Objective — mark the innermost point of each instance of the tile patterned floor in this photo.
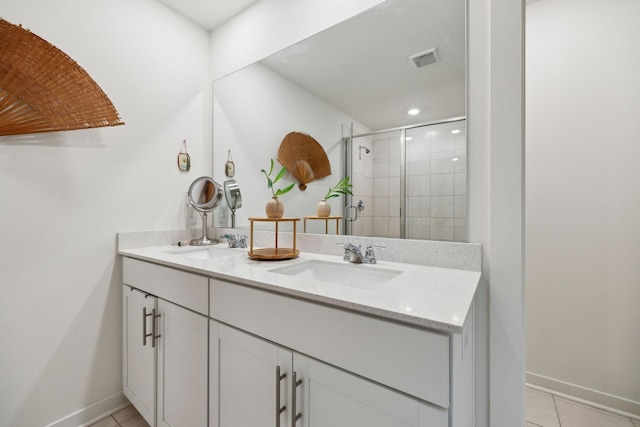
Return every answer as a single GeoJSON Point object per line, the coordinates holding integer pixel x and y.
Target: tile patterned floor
{"type": "Point", "coordinates": [127, 417]}
{"type": "Point", "coordinates": [542, 410]}
{"type": "Point", "coordinates": [546, 410]}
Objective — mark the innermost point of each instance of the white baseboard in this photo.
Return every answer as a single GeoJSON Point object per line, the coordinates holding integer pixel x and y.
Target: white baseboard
{"type": "Point", "coordinates": [92, 413]}
{"type": "Point", "coordinates": [597, 399]}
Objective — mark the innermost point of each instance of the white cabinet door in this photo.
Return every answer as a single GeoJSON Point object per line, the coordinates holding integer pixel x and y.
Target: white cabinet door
{"type": "Point", "coordinates": [245, 388]}
{"type": "Point", "coordinates": [139, 357]}
{"type": "Point", "coordinates": [182, 367]}
{"type": "Point", "coordinates": [328, 396]}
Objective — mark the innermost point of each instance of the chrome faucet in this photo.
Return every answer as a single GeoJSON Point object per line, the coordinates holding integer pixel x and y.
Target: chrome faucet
{"type": "Point", "coordinates": [353, 253]}
{"type": "Point", "coordinates": [236, 240]}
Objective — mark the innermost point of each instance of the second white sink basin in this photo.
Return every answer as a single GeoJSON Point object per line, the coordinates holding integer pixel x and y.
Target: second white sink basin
{"type": "Point", "coordinates": [203, 252]}
{"type": "Point", "coordinates": [356, 275]}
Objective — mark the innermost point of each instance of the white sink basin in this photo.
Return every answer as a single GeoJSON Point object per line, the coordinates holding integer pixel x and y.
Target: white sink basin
{"type": "Point", "coordinates": [356, 275]}
{"type": "Point", "coordinates": [203, 252]}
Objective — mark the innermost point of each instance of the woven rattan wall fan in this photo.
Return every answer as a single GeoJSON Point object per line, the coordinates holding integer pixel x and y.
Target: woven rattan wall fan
{"type": "Point", "coordinates": [43, 90]}
{"type": "Point", "coordinates": [304, 158]}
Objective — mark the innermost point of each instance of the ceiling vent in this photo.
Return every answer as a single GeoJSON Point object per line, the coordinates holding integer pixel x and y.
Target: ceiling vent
{"type": "Point", "coordinates": [425, 58]}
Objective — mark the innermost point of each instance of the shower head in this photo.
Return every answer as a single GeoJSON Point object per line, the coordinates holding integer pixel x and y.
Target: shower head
{"type": "Point", "coordinates": [360, 148]}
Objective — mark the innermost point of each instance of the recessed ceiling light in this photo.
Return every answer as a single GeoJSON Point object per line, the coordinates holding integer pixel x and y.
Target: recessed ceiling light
{"type": "Point", "coordinates": [455, 159]}
{"type": "Point", "coordinates": [408, 138]}
{"type": "Point", "coordinates": [413, 111]}
{"type": "Point", "coordinates": [455, 131]}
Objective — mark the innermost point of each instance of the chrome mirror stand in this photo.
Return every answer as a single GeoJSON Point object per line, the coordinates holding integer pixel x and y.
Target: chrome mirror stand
{"type": "Point", "coordinates": [204, 239]}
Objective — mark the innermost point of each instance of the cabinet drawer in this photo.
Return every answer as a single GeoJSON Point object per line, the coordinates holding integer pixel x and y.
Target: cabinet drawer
{"type": "Point", "coordinates": [186, 289]}
{"type": "Point", "coordinates": [412, 360]}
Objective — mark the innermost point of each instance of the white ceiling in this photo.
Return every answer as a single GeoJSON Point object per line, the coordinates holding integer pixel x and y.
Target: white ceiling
{"type": "Point", "coordinates": [209, 14]}
{"type": "Point", "coordinates": [361, 66]}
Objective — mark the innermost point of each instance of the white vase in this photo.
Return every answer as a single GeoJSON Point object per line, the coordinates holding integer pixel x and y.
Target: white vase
{"type": "Point", "coordinates": [323, 209]}
{"type": "Point", "coordinates": [274, 208]}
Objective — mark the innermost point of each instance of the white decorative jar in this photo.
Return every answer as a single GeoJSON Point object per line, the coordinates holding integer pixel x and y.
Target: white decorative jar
{"type": "Point", "coordinates": [323, 209]}
{"type": "Point", "coordinates": [274, 208]}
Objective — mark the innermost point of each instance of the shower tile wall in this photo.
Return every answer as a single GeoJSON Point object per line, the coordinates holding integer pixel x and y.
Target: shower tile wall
{"type": "Point", "coordinates": [386, 185]}
{"type": "Point", "coordinates": [435, 179]}
{"type": "Point", "coordinates": [436, 183]}
{"type": "Point", "coordinates": [362, 180]}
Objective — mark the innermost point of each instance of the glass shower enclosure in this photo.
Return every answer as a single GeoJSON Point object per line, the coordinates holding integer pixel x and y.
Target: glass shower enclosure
{"type": "Point", "coordinates": [409, 182]}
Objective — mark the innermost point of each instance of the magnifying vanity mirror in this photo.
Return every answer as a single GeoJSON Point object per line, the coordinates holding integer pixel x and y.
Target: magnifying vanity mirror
{"type": "Point", "coordinates": [233, 198]}
{"type": "Point", "coordinates": [204, 195]}
{"type": "Point", "coordinates": [350, 86]}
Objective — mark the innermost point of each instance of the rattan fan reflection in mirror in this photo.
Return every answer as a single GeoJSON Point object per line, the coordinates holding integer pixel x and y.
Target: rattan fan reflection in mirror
{"type": "Point", "coordinates": [43, 90]}
{"type": "Point", "coordinates": [304, 158]}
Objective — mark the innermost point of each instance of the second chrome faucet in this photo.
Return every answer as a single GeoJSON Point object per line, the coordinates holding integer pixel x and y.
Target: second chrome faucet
{"type": "Point", "coordinates": [353, 253]}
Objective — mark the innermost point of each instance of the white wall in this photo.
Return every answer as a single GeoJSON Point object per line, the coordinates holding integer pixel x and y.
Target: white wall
{"type": "Point", "coordinates": [64, 196]}
{"type": "Point", "coordinates": [583, 199]}
{"type": "Point", "coordinates": [274, 107]}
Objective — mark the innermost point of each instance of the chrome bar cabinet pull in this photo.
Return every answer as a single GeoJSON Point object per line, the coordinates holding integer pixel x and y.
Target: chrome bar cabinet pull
{"type": "Point", "coordinates": [153, 329]}
{"type": "Point", "coordinates": [295, 416]}
{"type": "Point", "coordinates": [279, 409]}
{"type": "Point", "coordinates": [144, 326]}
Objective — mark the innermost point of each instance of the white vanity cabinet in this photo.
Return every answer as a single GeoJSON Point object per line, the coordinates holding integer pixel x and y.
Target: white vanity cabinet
{"type": "Point", "coordinates": [253, 385]}
{"type": "Point", "coordinates": [165, 354]}
{"type": "Point", "coordinates": [352, 369]}
{"type": "Point", "coordinates": [200, 350]}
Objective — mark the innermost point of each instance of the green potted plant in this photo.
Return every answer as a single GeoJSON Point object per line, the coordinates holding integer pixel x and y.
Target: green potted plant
{"type": "Point", "coordinates": [343, 187]}
{"type": "Point", "coordinates": [275, 208]}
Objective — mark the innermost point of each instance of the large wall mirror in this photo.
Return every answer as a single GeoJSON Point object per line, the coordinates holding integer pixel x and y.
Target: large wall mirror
{"type": "Point", "coordinates": [350, 87]}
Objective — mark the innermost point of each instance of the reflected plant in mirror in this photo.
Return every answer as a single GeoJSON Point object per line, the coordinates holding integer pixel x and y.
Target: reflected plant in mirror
{"type": "Point", "coordinates": [274, 207]}
{"type": "Point", "coordinates": [343, 187]}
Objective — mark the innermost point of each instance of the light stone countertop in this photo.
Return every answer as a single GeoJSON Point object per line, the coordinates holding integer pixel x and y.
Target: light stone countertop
{"type": "Point", "coordinates": [431, 297]}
